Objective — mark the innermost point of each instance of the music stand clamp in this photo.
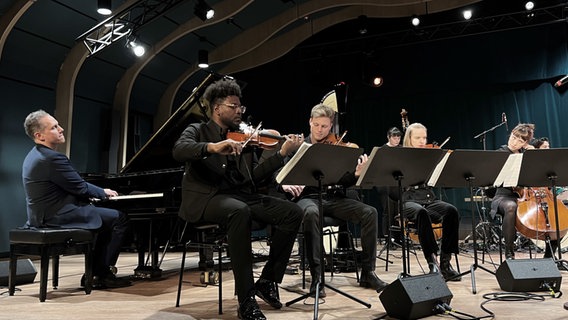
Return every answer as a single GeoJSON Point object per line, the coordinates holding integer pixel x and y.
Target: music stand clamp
{"type": "Point", "coordinates": [471, 168]}
{"type": "Point", "coordinates": [320, 165]}
{"type": "Point", "coordinates": [400, 167]}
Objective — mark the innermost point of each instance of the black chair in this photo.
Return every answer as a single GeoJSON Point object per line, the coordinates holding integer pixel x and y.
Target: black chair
{"type": "Point", "coordinates": [210, 237]}
{"type": "Point", "coordinates": [50, 243]}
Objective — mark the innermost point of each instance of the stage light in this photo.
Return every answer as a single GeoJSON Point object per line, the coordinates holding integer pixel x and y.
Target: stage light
{"type": "Point", "coordinates": [415, 21]}
{"type": "Point", "coordinates": [104, 7]}
{"type": "Point", "coordinates": [134, 44]}
{"type": "Point", "coordinates": [362, 24]}
{"type": "Point", "coordinates": [529, 5]}
{"type": "Point", "coordinates": [377, 81]}
{"type": "Point", "coordinates": [203, 11]}
{"type": "Point", "coordinates": [203, 59]}
{"type": "Point", "coordinates": [467, 14]}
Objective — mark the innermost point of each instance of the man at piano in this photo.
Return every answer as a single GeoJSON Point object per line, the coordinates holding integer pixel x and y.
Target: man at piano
{"type": "Point", "coordinates": [57, 196]}
{"type": "Point", "coordinates": [220, 185]}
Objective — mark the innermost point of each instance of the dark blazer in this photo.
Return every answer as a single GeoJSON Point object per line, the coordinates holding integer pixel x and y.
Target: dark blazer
{"type": "Point", "coordinates": [56, 195]}
{"type": "Point", "coordinates": [205, 173]}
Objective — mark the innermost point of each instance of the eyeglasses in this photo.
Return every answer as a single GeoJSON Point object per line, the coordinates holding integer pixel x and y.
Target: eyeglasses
{"type": "Point", "coordinates": [234, 106]}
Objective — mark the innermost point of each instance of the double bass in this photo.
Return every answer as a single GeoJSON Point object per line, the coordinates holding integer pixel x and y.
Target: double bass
{"type": "Point", "coordinates": [535, 214]}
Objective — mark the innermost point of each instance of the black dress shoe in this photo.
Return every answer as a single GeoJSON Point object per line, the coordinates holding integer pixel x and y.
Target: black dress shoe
{"type": "Point", "coordinates": [370, 280]}
{"type": "Point", "coordinates": [249, 310]}
{"type": "Point", "coordinates": [268, 291]}
{"type": "Point", "coordinates": [110, 281]}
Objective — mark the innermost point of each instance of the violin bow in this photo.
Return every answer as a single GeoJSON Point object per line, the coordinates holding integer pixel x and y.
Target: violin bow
{"type": "Point", "coordinates": [252, 134]}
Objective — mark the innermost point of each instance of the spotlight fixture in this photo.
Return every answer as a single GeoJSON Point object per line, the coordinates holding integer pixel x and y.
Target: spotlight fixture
{"type": "Point", "coordinates": [467, 14]}
{"type": "Point", "coordinates": [529, 5]}
{"type": "Point", "coordinates": [377, 81]}
{"type": "Point", "coordinates": [203, 11]}
{"type": "Point", "coordinates": [133, 44]}
{"type": "Point", "coordinates": [104, 7]}
{"type": "Point", "coordinates": [203, 59]}
{"type": "Point", "coordinates": [415, 21]}
{"type": "Point", "coordinates": [362, 24]}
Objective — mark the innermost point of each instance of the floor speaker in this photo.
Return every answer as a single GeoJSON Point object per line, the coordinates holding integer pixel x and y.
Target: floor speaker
{"type": "Point", "coordinates": [522, 275]}
{"type": "Point", "coordinates": [25, 272]}
{"type": "Point", "coordinates": [415, 297]}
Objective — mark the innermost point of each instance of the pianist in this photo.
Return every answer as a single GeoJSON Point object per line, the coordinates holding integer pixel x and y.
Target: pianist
{"type": "Point", "coordinates": [56, 196]}
{"type": "Point", "coordinates": [220, 186]}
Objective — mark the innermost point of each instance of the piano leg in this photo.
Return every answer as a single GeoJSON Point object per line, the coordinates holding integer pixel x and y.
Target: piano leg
{"type": "Point", "coordinates": [145, 270]}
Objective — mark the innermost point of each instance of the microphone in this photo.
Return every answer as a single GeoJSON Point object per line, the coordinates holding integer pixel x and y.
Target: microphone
{"type": "Point", "coordinates": [561, 81]}
{"type": "Point", "coordinates": [504, 120]}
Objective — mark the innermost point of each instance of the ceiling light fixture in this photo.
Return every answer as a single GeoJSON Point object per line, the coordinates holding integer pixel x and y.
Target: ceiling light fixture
{"type": "Point", "coordinates": [203, 11]}
{"type": "Point", "coordinates": [362, 24]}
{"type": "Point", "coordinates": [467, 14]}
{"type": "Point", "coordinates": [104, 7]}
{"type": "Point", "coordinates": [203, 59]}
{"type": "Point", "coordinates": [133, 44]}
{"type": "Point", "coordinates": [529, 5]}
{"type": "Point", "coordinates": [415, 21]}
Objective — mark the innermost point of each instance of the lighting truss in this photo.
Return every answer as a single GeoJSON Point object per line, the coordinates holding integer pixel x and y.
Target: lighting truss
{"type": "Point", "coordinates": [522, 19]}
{"type": "Point", "coordinates": [124, 23]}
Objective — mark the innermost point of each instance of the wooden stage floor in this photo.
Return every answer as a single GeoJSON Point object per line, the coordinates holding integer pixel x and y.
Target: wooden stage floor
{"type": "Point", "coordinates": [155, 299]}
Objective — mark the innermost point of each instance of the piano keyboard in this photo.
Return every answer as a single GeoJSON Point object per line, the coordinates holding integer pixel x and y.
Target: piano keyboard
{"type": "Point", "coordinates": [138, 196]}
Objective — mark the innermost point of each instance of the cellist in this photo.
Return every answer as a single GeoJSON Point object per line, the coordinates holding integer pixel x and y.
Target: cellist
{"type": "Point", "coordinates": [504, 202]}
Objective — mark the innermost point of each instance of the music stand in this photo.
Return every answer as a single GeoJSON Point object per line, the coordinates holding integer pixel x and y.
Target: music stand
{"type": "Point", "coordinates": [320, 165]}
{"type": "Point", "coordinates": [541, 167]}
{"type": "Point", "coordinates": [470, 168]}
{"type": "Point", "coordinates": [400, 167]}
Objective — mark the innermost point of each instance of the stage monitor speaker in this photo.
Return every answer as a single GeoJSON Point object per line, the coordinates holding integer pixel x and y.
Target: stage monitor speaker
{"type": "Point", "coordinates": [415, 297]}
{"type": "Point", "coordinates": [25, 272]}
{"type": "Point", "coordinates": [523, 275]}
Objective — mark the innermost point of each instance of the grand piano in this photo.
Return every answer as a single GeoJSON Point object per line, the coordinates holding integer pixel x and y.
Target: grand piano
{"type": "Point", "coordinates": [149, 185]}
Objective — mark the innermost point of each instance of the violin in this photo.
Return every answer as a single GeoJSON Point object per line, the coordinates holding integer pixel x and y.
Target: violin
{"type": "Point", "coordinates": [335, 139]}
{"type": "Point", "coordinates": [267, 139]}
{"type": "Point", "coordinates": [535, 214]}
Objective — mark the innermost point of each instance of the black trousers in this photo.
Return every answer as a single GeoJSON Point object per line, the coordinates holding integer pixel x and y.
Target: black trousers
{"type": "Point", "coordinates": [423, 215]}
{"type": "Point", "coordinates": [109, 240]}
{"type": "Point", "coordinates": [344, 209]}
{"type": "Point", "coordinates": [235, 213]}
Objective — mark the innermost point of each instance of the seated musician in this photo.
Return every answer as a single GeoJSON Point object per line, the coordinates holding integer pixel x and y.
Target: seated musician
{"type": "Point", "coordinates": [505, 200]}
{"type": "Point", "coordinates": [220, 186]}
{"type": "Point", "coordinates": [57, 196]}
{"type": "Point", "coordinates": [335, 204]}
{"type": "Point", "coordinates": [421, 206]}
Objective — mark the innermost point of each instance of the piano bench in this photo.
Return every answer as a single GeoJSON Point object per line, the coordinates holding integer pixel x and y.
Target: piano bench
{"type": "Point", "coordinates": [203, 242]}
{"type": "Point", "coordinates": [49, 243]}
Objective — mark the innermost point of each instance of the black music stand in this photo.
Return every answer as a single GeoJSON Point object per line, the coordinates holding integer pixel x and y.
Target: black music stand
{"type": "Point", "coordinates": [320, 165]}
{"type": "Point", "coordinates": [542, 167]}
{"type": "Point", "coordinates": [400, 167]}
{"type": "Point", "coordinates": [470, 168]}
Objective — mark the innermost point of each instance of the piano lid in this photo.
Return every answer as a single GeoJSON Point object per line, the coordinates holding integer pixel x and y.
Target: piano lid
{"type": "Point", "coordinates": [156, 154]}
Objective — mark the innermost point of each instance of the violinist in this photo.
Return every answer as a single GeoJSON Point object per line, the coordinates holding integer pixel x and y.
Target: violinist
{"type": "Point", "coordinates": [421, 206]}
{"type": "Point", "coordinates": [337, 204]}
{"type": "Point", "coordinates": [393, 137]}
{"type": "Point", "coordinates": [220, 186]}
{"type": "Point", "coordinates": [504, 202]}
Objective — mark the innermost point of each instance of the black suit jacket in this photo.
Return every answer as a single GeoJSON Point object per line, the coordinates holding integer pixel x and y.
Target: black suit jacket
{"type": "Point", "coordinates": [205, 173]}
{"type": "Point", "coordinates": [56, 195]}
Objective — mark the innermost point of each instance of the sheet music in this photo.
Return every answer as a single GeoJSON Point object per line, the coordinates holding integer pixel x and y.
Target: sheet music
{"type": "Point", "coordinates": [364, 171]}
{"type": "Point", "coordinates": [292, 162]}
{"type": "Point", "coordinates": [438, 170]}
{"type": "Point", "coordinates": [509, 175]}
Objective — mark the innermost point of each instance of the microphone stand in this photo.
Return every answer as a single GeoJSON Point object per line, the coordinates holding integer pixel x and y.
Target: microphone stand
{"type": "Point", "coordinates": [484, 133]}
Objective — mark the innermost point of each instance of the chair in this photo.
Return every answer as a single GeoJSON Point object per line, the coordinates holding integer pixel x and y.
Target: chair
{"type": "Point", "coordinates": [50, 243]}
{"type": "Point", "coordinates": [330, 222]}
{"type": "Point", "coordinates": [212, 237]}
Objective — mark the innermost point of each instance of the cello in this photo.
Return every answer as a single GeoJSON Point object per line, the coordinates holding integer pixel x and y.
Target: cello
{"type": "Point", "coordinates": [535, 214]}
